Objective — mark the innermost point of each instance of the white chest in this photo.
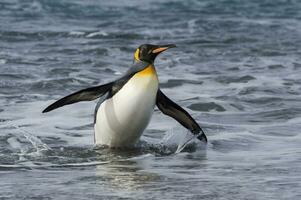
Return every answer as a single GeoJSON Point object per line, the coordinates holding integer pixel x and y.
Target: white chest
{"type": "Point", "coordinates": [121, 120]}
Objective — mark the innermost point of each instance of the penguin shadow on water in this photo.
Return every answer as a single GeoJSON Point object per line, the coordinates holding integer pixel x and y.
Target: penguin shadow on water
{"type": "Point", "coordinates": [126, 174]}
{"type": "Point", "coordinates": [131, 169]}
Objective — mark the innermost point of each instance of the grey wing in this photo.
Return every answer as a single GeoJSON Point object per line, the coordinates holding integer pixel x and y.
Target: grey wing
{"type": "Point", "coordinates": [93, 93]}
{"type": "Point", "coordinates": [87, 94]}
{"type": "Point", "coordinates": [175, 111]}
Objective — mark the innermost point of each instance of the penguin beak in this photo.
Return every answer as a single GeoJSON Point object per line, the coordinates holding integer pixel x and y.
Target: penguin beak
{"type": "Point", "coordinates": [162, 48]}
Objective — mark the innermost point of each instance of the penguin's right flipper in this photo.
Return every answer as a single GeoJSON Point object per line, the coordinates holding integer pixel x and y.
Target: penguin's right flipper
{"type": "Point", "coordinates": [92, 93]}
{"type": "Point", "coordinates": [87, 94]}
{"type": "Point", "coordinates": [175, 111]}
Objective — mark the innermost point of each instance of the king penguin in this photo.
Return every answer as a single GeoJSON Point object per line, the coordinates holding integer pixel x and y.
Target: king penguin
{"type": "Point", "coordinates": [126, 105]}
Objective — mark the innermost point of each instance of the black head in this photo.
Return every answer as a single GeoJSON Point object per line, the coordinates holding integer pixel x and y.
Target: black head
{"type": "Point", "coordinates": [148, 52]}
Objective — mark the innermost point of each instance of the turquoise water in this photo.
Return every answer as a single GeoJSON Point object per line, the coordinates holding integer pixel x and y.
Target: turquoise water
{"type": "Point", "coordinates": [236, 69]}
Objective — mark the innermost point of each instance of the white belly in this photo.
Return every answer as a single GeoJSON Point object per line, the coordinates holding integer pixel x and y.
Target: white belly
{"type": "Point", "coordinates": [121, 120]}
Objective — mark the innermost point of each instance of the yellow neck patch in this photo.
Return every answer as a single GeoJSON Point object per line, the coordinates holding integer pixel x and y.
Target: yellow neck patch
{"type": "Point", "coordinates": [136, 56]}
{"type": "Point", "coordinates": [150, 70]}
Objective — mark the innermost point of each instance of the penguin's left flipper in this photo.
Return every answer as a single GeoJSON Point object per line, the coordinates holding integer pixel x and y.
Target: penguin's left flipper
{"type": "Point", "coordinates": [175, 111]}
{"type": "Point", "coordinates": [87, 94]}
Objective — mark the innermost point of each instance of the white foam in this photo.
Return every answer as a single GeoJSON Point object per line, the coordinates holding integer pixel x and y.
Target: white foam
{"type": "Point", "coordinates": [2, 61]}
{"type": "Point", "coordinates": [77, 33]}
{"type": "Point", "coordinates": [98, 33]}
{"type": "Point", "coordinates": [14, 143]}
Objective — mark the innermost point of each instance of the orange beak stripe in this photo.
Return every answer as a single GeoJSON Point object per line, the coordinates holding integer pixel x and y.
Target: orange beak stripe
{"type": "Point", "coordinates": [160, 49]}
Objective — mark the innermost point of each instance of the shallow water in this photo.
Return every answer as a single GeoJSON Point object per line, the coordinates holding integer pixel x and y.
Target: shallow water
{"type": "Point", "coordinates": [236, 70]}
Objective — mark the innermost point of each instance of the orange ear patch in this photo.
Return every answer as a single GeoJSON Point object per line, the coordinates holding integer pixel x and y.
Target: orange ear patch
{"type": "Point", "coordinates": [136, 55]}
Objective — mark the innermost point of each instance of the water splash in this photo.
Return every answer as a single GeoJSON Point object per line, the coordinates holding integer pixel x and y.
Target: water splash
{"type": "Point", "coordinates": [34, 140]}
{"type": "Point", "coordinates": [185, 141]}
{"type": "Point", "coordinates": [179, 138]}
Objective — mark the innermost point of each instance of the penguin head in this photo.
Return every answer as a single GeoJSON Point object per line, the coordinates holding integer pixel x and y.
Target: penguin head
{"type": "Point", "coordinates": [148, 52]}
